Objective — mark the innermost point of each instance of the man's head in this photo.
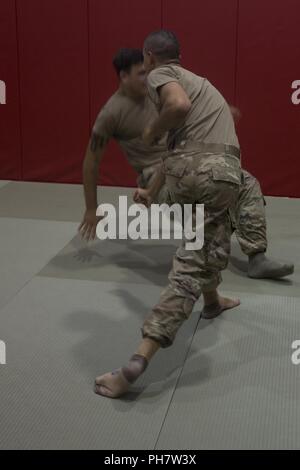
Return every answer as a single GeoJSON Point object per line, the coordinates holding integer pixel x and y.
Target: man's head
{"type": "Point", "coordinates": [160, 47]}
{"type": "Point", "coordinates": [128, 64]}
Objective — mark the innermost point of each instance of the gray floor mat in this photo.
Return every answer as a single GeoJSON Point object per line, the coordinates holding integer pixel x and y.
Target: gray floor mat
{"type": "Point", "coordinates": [137, 261]}
{"type": "Point", "coordinates": [80, 316]}
{"type": "Point", "coordinates": [4, 183]}
{"type": "Point", "coordinates": [25, 247]}
{"type": "Point", "coordinates": [59, 335]}
{"type": "Point", "coordinates": [52, 201]}
{"type": "Point", "coordinates": [151, 260]}
{"type": "Point", "coordinates": [240, 389]}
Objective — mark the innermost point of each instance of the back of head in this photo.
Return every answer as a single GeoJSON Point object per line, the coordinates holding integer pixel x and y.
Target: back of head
{"type": "Point", "coordinates": [163, 44]}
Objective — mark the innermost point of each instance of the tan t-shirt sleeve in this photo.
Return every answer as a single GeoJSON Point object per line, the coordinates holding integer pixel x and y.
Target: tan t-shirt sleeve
{"type": "Point", "coordinates": [104, 126]}
{"type": "Point", "coordinates": [157, 78]}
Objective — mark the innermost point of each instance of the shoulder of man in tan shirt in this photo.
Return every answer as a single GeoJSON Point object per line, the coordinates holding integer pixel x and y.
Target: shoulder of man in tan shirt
{"type": "Point", "coordinates": [209, 119]}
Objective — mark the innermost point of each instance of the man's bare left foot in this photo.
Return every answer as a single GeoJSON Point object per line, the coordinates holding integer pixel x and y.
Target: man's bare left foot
{"type": "Point", "coordinates": [116, 383]}
{"type": "Point", "coordinates": [112, 385]}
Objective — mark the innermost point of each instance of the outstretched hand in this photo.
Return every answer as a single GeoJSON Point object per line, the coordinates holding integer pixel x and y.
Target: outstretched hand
{"type": "Point", "coordinates": [87, 228]}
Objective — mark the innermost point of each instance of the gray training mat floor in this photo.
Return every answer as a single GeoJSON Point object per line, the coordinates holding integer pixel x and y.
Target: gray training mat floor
{"type": "Point", "coordinates": [71, 311]}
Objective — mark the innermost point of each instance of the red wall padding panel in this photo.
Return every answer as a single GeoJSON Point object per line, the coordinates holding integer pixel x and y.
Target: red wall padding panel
{"type": "Point", "coordinates": [56, 61]}
{"type": "Point", "coordinates": [10, 141]}
{"type": "Point", "coordinates": [206, 30]}
{"type": "Point", "coordinates": [115, 24]}
{"type": "Point", "coordinates": [268, 63]}
{"type": "Point", "coordinates": [53, 44]}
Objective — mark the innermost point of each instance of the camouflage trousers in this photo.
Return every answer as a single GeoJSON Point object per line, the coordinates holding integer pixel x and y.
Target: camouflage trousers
{"type": "Point", "coordinates": [248, 217]}
{"type": "Point", "coordinates": [212, 180]}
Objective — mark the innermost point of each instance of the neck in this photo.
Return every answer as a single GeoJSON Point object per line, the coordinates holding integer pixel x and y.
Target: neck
{"type": "Point", "coordinates": [133, 96]}
{"type": "Point", "coordinates": [171, 61]}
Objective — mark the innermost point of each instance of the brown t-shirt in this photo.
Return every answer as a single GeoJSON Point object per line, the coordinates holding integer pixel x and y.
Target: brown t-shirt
{"type": "Point", "coordinates": [124, 120]}
{"type": "Point", "coordinates": [209, 119]}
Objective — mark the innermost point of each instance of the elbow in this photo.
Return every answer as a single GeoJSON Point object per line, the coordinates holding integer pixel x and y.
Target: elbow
{"type": "Point", "coordinates": [182, 107]}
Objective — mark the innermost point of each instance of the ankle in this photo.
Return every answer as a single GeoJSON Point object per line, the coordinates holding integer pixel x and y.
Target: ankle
{"type": "Point", "coordinates": [136, 366]}
{"type": "Point", "coordinates": [259, 256]}
{"type": "Point", "coordinates": [211, 297]}
{"type": "Point", "coordinates": [148, 347]}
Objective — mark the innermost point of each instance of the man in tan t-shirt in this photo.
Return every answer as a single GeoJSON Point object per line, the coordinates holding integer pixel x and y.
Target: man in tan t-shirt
{"type": "Point", "coordinates": [124, 118]}
{"type": "Point", "coordinates": [195, 170]}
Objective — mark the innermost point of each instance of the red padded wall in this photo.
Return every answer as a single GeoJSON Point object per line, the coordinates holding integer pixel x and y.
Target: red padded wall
{"type": "Point", "coordinates": [268, 63]}
{"type": "Point", "coordinates": [10, 141]}
{"type": "Point", "coordinates": [56, 61]}
{"type": "Point", "coordinates": [115, 24]}
{"type": "Point", "coordinates": [206, 30]}
{"type": "Point", "coordinates": [53, 44]}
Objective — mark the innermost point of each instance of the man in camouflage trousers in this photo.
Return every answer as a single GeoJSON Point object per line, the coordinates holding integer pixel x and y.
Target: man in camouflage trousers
{"type": "Point", "coordinates": [202, 166]}
{"type": "Point", "coordinates": [198, 169]}
{"type": "Point", "coordinates": [123, 118]}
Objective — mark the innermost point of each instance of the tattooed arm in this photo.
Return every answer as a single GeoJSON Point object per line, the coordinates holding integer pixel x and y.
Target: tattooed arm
{"type": "Point", "coordinates": [93, 157]}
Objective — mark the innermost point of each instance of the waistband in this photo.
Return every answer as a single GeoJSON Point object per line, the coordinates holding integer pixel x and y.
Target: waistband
{"type": "Point", "coordinates": [204, 147]}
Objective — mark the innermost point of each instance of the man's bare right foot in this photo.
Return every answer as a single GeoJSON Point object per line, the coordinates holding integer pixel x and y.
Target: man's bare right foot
{"type": "Point", "coordinates": [215, 309]}
{"type": "Point", "coordinates": [261, 267]}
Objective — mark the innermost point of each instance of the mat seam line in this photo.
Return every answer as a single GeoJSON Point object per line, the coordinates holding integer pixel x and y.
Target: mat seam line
{"type": "Point", "coordinates": [177, 381]}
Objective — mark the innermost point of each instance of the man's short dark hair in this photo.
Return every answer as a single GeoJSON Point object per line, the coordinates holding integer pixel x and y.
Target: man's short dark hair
{"type": "Point", "coordinates": [163, 44]}
{"type": "Point", "coordinates": [126, 58]}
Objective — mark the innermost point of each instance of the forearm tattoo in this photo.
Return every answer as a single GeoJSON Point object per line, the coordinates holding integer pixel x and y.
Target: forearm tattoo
{"type": "Point", "coordinates": [97, 142]}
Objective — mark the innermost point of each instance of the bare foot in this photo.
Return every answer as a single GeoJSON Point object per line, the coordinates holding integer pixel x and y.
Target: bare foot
{"type": "Point", "coordinates": [261, 267]}
{"type": "Point", "coordinates": [213, 310]}
{"type": "Point", "coordinates": [112, 385]}
{"type": "Point", "coordinates": [116, 383]}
